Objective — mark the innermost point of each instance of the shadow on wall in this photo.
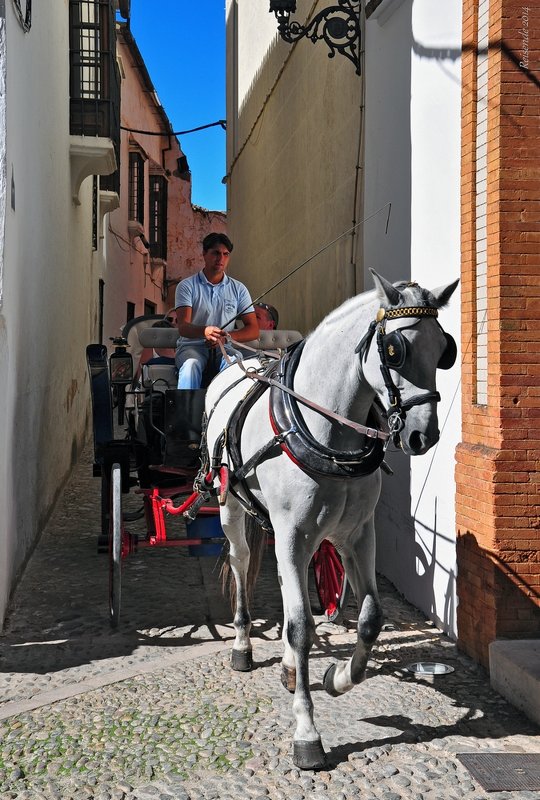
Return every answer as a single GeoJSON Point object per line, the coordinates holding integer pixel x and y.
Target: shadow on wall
{"type": "Point", "coordinates": [388, 147]}
{"type": "Point", "coordinates": [411, 554]}
{"type": "Point", "coordinates": [294, 180]}
{"type": "Point", "coordinates": [497, 599]}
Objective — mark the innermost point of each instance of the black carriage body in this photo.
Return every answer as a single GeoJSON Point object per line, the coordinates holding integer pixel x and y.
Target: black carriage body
{"type": "Point", "coordinates": [159, 451]}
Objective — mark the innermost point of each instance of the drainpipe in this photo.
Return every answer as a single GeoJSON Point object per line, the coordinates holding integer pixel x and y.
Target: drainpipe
{"type": "Point", "coordinates": [359, 177]}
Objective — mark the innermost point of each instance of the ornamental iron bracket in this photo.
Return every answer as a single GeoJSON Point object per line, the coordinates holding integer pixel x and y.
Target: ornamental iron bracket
{"type": "Point", "coordinates": [25, 19]}
{"type": "Point", "coordinates": [337, 25]}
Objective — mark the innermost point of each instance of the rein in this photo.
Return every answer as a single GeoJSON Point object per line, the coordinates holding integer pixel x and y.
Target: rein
{"type": "Point", "coordinates": [392, 352]}
{"type": "Point", "coordinates": [372, 433]}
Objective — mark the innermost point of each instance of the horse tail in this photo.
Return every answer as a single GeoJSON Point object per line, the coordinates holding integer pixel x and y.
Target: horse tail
{"type": "Point", "coordinates": [256, 541]}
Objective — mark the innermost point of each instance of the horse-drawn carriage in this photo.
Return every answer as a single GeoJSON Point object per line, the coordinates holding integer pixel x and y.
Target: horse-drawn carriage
{"type": "Point", "coordinates": [152, 448]}
{"type": "Point", "coordinates": [295, 445]}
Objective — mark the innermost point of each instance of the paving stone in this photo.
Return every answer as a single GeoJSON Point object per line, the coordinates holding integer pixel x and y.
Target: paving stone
{"type": "Point", "coordinates": [139, 714]}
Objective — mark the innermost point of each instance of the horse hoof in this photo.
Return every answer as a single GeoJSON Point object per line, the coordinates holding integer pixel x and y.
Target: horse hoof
{"type": "Point", "coordinates": [309, 755]}
{"type": "Point", "coordinates": [288, 678]}
{"type": "Point", "coordinates": [328, 681]}
{"type": "Point", "coordinates": [242, 660]}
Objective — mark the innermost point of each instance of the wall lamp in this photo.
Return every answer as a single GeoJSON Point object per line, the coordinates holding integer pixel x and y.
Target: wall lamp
{"type": "Point", "coordinates": [337, 25]}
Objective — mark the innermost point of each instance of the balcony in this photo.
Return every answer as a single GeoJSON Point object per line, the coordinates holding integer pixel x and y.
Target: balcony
{"type": "Point", "coordinates": [94, 93]}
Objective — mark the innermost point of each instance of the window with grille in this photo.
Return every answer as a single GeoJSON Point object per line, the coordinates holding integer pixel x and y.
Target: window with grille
{"type": "Point", "coordinates": [158, 216]}
{"type": "Point", "coordinates": [94, 77]}
{"type": "Point", "coordinates": [86, 61]}
{"type": "Point", "coordinates": [136, 187]}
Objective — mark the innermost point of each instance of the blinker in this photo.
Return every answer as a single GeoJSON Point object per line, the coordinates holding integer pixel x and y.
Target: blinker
{"type": "Point", "coordinates": [448, 358]}
{"type": "Point", "coordinates": [395, 350]}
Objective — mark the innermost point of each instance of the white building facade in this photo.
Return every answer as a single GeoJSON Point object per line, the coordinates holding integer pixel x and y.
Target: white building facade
{"type": "Point", "coordinates": [313, 151]}
{"type": "Point", "coordinates": [50, 259]}
{"type": "Point", "coordinates": [412, 161]}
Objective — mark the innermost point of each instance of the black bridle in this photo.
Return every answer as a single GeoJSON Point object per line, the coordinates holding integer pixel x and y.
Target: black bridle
{"type": "Point", "coordinates": [392, 349]}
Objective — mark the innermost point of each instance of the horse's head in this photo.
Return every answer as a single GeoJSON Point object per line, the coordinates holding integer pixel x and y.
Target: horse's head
{"type": "Point", "coordinates": [400, 355]}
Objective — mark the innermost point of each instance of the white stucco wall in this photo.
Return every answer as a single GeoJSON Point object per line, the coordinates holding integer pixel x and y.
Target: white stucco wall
{"type": "Point", "coordinates": [4, 432]}
{"type": "Point", "coordinates": [412, 159]}
{"type": "Point", "coordinates": [49, 278]}
{"type": "Point", "coordinates": [294, 126]}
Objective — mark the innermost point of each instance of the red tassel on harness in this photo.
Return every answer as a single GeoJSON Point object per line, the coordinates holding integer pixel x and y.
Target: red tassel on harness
{"type": "Point", "coordinates": [223, 484]}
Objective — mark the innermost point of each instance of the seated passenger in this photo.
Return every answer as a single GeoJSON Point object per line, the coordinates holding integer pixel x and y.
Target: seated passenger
{"type": "Point", "coordinates": [267, 317]}
{"type": "Point", "coordinates": [207, 305]}
{"type": "Point", "coordinates": [158, 355]}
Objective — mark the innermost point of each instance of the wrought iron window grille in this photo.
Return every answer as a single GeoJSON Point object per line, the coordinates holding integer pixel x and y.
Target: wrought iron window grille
{"type": "Point", "coordinates": [94, 76]}
{"type": "Point", "coordinates": [136, 187]}
{"type": "Point", "coordinates": [158, 216]}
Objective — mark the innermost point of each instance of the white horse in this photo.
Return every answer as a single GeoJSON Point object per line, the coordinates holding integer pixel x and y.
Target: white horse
{"type": "Point", "coordinates": [312, 477]}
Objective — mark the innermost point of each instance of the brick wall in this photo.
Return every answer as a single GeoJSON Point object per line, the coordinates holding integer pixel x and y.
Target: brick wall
{"type": "Point", "coordinates": [498, 460]}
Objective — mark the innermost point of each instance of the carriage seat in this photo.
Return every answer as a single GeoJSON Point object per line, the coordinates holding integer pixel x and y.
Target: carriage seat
{"type": "Point", "coordinates": [158, 337]}
{"type": "Point", "coordinates": [275, 341]}
{"type": "Point", "coordinates": [159, 376]}
{"type": "Point", "coordinates": [271, 341]}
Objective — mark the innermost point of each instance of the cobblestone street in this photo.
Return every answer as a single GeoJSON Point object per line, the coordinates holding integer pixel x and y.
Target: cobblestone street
{"type": "Point", "coordinates": [154, 710]}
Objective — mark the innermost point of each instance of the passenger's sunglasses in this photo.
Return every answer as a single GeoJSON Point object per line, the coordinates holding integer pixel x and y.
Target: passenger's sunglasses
{"type": "Point", "coordinates": [268, 308]}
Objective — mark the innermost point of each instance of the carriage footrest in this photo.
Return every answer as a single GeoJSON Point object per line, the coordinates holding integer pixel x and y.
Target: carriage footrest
{"type": "Point", "coordinates": [131, 543]}
{"type": "Point", "coordinates": [183, 426]}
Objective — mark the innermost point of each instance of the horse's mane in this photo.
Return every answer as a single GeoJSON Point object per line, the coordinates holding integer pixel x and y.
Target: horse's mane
{"type": "Point", "coordinates": [352, 306]}
{"type": "Point", "coordinates": [413, 295]}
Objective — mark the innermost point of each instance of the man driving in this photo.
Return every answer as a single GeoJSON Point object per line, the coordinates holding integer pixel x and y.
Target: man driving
{"type": "Point", "coordinates": [207, 306]}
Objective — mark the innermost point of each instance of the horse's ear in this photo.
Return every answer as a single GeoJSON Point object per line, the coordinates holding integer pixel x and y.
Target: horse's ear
{"type": "Point", "coordinates": [386, 291]}
{"type": "Point", "coordinates": [443, 294]}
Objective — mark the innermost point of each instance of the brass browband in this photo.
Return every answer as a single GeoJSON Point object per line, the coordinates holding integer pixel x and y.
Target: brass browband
{"type": "Point", "coordinates": [406, 311]}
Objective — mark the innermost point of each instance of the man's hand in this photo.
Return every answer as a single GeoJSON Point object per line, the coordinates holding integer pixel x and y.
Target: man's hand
{"type": "Point", "coordinates": [214, 335]}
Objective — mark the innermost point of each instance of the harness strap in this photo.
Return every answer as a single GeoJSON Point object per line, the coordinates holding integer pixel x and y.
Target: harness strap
{"type": "Point", "coordinates": [260, 514]}
{"type": "Point", "coordinates": [372, 433]}
{"type": "Point", "coordinates": [233, 433]}
{"type": "Point", "coordinates": [419, 399]}
{"type": "Point", "coordinates": [240, 473]}
{"type": "Point", "coordinates": [222, 395]}
{"type": "Point", "coordinates": [394, 395]}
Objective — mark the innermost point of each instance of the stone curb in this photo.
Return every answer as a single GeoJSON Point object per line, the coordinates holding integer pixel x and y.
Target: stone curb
{"type": "Point", "coordinates": [14, 708]}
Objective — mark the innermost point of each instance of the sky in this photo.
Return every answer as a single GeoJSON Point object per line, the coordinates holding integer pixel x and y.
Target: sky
{"type": "Point", "coordinates": [182, 43]}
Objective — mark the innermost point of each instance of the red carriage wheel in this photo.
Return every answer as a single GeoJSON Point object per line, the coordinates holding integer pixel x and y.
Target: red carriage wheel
{"type": "Point", "coordinates": [115, 545]}
{"type": "Point", "coordinates": [332, 586]}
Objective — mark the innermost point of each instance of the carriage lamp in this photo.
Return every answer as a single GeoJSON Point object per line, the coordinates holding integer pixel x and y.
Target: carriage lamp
{"type": "Point", "coordinates": [120, 363]}
{"type": "Point", "coordinates": [338, 25]}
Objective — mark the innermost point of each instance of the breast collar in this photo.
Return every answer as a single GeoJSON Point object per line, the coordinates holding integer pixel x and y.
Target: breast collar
{"type": "Point", "coordinates": [298, 443]}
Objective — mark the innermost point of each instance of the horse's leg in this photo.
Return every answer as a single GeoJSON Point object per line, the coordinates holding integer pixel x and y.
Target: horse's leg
{"type": "Point", "coordinates": [360, 568]}
{"type": "Point", "coordinates": [298, 637]}
{"type": "Point", "coordinates": [233, 520]}
{"type": "Point", "coordinates": [288, 664]}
